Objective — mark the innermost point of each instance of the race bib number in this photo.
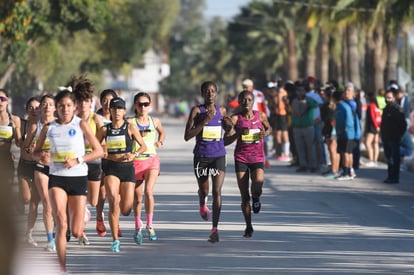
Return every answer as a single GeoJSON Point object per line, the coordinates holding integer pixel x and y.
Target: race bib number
{"type": "Point", "coordinates": [6, 132]}
{"type": "Point", "coordinates": [114, 143]}
{"type": "Point", "coordinates": [252, 137]}
{"type": "Point", "coordinates": [46, 145]}
{"type": "Point", "coordinates": [211, 133]}
{"type": "Point", "coordinates": [61, 156]}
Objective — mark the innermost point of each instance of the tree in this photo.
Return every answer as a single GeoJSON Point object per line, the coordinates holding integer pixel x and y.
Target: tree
{"type": "Point", "coordinates": [85, 36]}
{"type": "Point", "coordinates": [24, 23]}
{"type": "Point", "coordinates": [186, 43]}
{"type": "Point", "coordinates": [136, 26]}
{"type": "Point", "coordinates": [15, 19]}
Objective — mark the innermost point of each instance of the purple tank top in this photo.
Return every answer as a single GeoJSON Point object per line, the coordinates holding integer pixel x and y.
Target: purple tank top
{"type": "Point", "coordinates": [249, 148]}
{"type": "Point", "coordinates": [209, 142]}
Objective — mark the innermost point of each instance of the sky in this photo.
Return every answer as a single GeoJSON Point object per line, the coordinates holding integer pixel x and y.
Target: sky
{"type": "Point", "coordinates": [223, 8]}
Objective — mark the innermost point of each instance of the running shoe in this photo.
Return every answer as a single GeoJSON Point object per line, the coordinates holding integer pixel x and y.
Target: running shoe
{"type": "Point", "coordinates": [214, 237]}
{"type": "Point", "coordinates": [248, 232]}
{"type": "Point", "coordinates": [51, 246]}
{"type": "Point", "coordinates": [30, 241]}
{"type": "Point", "coordinates": [284, 158]}
{"type": "Point", "coordinates": [352, 173]}
{"type": "Point", "coordinates": [83, 241]}
{"type": "Point", "coordinates": [371, 163]}
{"type": "Point", "coordinates": [68, 235]}
{"type": "Point", "coordinates": [256, 205]}
{"type": "Point", "coordinates": [152, 236]}
{"type": "Point", "coordinates": [344, 177]}
{"type": "Point", "coordinates": [324, 173]}
{"type": "Point", "coordinates": [100, 228]}
{"type": "Point", "coordinates": [87, 216]}
{"type": "Point", "coordinates": [204, 212]}
{"type": "Point", "coordinates": [138, 238]}
{"type": "Point", "coordinates": [115, 246]}
{"type": "Point", "coordinates": [331, 175]}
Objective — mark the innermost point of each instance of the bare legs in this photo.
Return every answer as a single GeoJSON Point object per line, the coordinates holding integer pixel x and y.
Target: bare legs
{"type": "Point", "coordinates": [59, 202]}
{"type": "Point", "coordinates": [257, 178]}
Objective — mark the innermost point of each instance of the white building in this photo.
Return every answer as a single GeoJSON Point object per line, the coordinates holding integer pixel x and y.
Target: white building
{"type": "Point", "coordinates": [145, 78]}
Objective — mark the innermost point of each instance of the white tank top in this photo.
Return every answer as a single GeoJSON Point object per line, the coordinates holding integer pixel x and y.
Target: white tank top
{"type": "Point", "coordinates": [66, 141]}
{"type": "Point", "coordinates": [46, 144]}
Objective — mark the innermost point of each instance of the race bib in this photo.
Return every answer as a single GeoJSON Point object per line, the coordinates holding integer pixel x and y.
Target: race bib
{"type": "Point", "coordinates": [114, 143]}
{"type": "Point", "coordinates": [6, 132]}
{"type": "Point", "coordinates": [252, 137]}
{"type": "Point", "coordinates": [211, 133]}
{"type": "Point", "coordinates": [63, 153]}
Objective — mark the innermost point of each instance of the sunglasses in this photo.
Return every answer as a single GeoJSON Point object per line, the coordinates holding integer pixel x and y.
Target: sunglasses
{"type": "Point", "coordinates": [3, 98]}
{"type": "Point", "coordinates": [143, 104]}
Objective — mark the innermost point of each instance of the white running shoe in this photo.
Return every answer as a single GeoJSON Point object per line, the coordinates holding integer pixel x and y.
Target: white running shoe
{"type": "Point", "coordinates": [84, 241]}
{"type": "Point", "coordinates": [30, 241]}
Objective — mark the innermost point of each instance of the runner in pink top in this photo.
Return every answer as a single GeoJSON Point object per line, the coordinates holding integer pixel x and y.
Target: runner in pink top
{"type": "Point", "coordinates": [249, 129]}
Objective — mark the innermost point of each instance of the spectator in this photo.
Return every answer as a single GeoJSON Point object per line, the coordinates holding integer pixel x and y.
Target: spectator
{"type": "Point", "coordinates": [279, 123]}
{"type": "Point", "coordinates": [347, 130]}
{"type": "Point", "coordinates": [303, 130]}
{"type": "Point", "coordinates": [328, 131]}
{"type": "Point", "coordinates": [380, 98]}
{"type": "Point", "coordinates": [402, 100]}
{"type": "Point", "coordinates": [372, 127]}
{"type": "Point", "coordinates": [393, 127]}
{"type": "Point", "coordinates": [311, 86]}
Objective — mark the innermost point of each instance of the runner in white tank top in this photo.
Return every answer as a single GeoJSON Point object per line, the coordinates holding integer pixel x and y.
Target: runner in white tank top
{"type": "Point", "coordinates": [68, 171]}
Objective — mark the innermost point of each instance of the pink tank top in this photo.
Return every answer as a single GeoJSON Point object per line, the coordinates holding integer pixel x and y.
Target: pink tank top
{"type": "Point", "coordinates": [249, 147]}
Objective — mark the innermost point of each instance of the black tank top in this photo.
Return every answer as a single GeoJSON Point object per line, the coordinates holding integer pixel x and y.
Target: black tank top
{"type": "Point", "coordinates": [118, 140]}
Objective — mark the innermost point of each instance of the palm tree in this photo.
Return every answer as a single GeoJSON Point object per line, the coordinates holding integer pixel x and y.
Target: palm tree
{"type": "Point", "coordinates": [399, 15]}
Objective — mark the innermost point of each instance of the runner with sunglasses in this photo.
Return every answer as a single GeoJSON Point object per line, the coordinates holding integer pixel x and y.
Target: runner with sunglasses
{"type": "Point", "coordinates": [147, 164]}
{"type": "Point", "coordinates": [118, 137]}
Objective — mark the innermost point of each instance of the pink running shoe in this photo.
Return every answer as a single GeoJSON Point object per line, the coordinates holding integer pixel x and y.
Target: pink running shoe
{"type": "Point", "coordinates": [204, 212]}
{"type": "Point", "coordinates": [87, 217]}
{"type": "Point", "coordinates": [100, 228]}
{"type": "Point", "coordinates": [283, 158]}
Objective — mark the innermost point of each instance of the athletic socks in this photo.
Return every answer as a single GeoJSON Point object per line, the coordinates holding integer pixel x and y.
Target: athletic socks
{"type": "Point", "coordinates": [149, 220]}
{"type": "Point", "coordinates": [137, 222]}
{"type": "Point", "coordinates": [286, 148]}
{"type": "Point", "coordinates": [50, 236]}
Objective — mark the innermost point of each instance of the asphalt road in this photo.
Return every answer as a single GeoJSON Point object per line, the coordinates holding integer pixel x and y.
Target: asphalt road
{"type": "Point", "coordinates": [307, 225]}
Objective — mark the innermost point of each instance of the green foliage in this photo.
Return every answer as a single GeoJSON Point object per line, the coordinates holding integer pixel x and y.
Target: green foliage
{"type": "Point", "coordinates": [51, 40]}
{"type": "Point", "coordinates": [137, 25]}
{"type": "Point", "coordinates": [54, 17]}
{"type": "Point", "coordinates": [186, 44]}
{"type": "Point", "coordinates": [26, 25]}
{"type": "Point", "coordinates": [15, 23]}
{"type": "Point", "coordinates": [75, 36]}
